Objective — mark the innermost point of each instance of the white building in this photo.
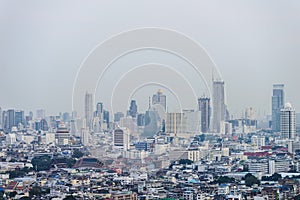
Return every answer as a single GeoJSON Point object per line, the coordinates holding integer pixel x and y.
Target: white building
{"type": "Point", "coordinates": [288, 122]}
{"type": "Point", "coordinates": [121, 139]}
{"type": "Point", "coordinates": [258, 141]}
{"type": "Point", "coordinates": [11, 138]}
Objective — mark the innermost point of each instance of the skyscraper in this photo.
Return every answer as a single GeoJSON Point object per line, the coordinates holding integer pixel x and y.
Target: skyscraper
{"type": "Point", "coordinates": [277, 105]}
{"type": "Point", "coordinates": [175, 123]}
{"type": "Point", "coordinates": [219, 108]}
{"type": "Point", "coordinates": [10, 119]}
{"type": "Point", "coordinates": [88, 108]}
{"type": "Point", "coordinates": [160, 98]}
{"type": "Point", "coordinates": [99, 110]}
{"type": "Point", "coordinates": [288, 122]}
{"type": "Point", "coordinates": [19, 118]}
{"type": "Point", "coordinates": [40, 114]}
{"type": "Point", "coordinates": [133, 109]}
{"type": "Point", "coordinates": [204, 108]}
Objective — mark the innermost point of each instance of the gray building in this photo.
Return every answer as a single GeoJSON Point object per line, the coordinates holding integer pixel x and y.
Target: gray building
{"type": "Point", "coordinates": [204, 108]}
{"type": "Point", "coordinates": [160, 98]}
{"type": "Point", "coordinates": [277, 105]}
{"type": "Point", "coordinates": [219, 108]}
{"type": "Point", "coordinates": [88, 110]}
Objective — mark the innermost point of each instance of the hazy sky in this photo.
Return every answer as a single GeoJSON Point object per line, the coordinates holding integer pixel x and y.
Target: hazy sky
{"type": "Point", "coordinates": [42, 44]}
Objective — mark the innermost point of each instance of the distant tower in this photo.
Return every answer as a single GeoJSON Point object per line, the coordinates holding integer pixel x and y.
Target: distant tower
{"type": "Point", "coordinates": [88, 108]}
{"type": "Point", "coordinates": [219, 108]}
{"type": "Point", "coordinates": [133, 109]}
{"type": "Point", "coordinates": [288, 122]}
{"type": "Point", "coordinates": [10, 118]}
{"type": "Point", "coordinates": [160, 98]}
{"type": "Point", "coordinates": [40, 114]}
{"type": "Point", "coordinates": [204, 108]}
{"type": "Point", "coordinates": [99, 110]}
{"type": "Point", "coordinates": [277, 105]}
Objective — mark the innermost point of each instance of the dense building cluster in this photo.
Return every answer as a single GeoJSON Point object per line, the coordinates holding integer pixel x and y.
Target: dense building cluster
{"type": "Point", "coordinates": [158, 154]}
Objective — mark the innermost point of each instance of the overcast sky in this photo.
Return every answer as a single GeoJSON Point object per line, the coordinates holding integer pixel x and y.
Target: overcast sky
{"type": "Point", "coordinates": [42, 44]}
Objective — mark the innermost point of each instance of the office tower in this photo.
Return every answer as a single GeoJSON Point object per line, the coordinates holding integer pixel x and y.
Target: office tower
{"type": "Point", "coordinates": [85, 137]}
{"type": "Point", "coordinates": [152, 123]}
{"type": "Point", "coordinates": [130, 124]}
{"type": "Point", "coordinates": [106, 118]}
{"type": "Point", "coordinates": [133, 109]}
{"type": "Point", "coordinates": [175, 123]}
{"type": "Point", "coordinates": [88, 108]}
{"type": "Point", "coordinates": [44, 125]}
{"type": "Point", "coordinates": [40, 114]}
{"type": "Point", "coordinates": [204, 108]}
{"type": "Point", "coordinates": [118, 116]}
{"type": "Point", "coordinates": [10, 118]}
{"type": "Point", "coordinates": [160, 99]}
{"type": "Point", "coordinates": [66, 117]}
{"type": "Point", "coordinates": [141, 119]}
{"type": "Point", "coordinates": [121, 139]}
{"type": "Point", "coordinates": [250, 114]}
{"type": "Point", "coordinates": [19, 118]}
{"type": "Point", "coordinates": [288, 121]}
{"type": "Point", "coordinates": [73, 128]}
{"type": "Point", "coordinates": [192, 121]}
{"type": "Point", "coordinates": [219, 108]}
{"type": "Point", "coordinates": [277, 105]}
{"type": "Point", "coordinates": [99, 110]}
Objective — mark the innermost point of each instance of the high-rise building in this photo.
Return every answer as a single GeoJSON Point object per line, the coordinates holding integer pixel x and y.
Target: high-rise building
{"type": "Point", "coordinates": [160, 98]}
{"type": "Point", "coordinates": [118, 116]}
{"type": "Point", "coordinates": [19, 118]}
{"type": "Point", "coordinates": [99, 110]}
{"type": "Point", "coordinates": [10, 119]}
{"type": "Point", "coordinates": [106, 117]}
{"type": "Point", "coordinates": [141, 119]}
{"type": "Point", "coordinates": [204, 108]}
{"type": "Point", "coordinates": [121, 139]}
{"type": "Point", "coordinates": [175, 123]}
{"type": "Point", "coordinates": [288, 122]}
{"type": "Point", "coordinates": [40, 114]}
{"type": "Point", "coordinates": [192, 120]}
{"type": "Point", "coordinates": [88, 108]}
{"type": "Point", "coordinates": [219, 108]}
{"type": "Point", "coordinates": [133, 109]}
{"type": "Point", "coordinates": [277, 105]}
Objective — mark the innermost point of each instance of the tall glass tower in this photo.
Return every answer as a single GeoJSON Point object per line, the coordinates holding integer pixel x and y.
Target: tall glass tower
{"type": "Point", "coordinates": [277, 105]}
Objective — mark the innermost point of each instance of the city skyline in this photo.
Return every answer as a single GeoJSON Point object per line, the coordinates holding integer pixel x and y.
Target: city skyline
{"type": "Point", "coordinates": [262, 50]}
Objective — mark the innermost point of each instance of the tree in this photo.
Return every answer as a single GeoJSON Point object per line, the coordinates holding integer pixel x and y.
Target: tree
{"type": "Point", "coordinates": [42, 163]}
{"type": "Point", "coordinates": [185, 162]}
{"type": "Point", "coordinates": [250, 180]}
{"type": "Point", "coordinates": [274, 177]}
{"type": "Point", "coordinates": [12, 194]}
{"type": "Point", "coordinates": [69, 197]}
{"type": "Point", "coordinates": [225, 179]}
{"type": "Point", "coordinates": [77, 154]}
